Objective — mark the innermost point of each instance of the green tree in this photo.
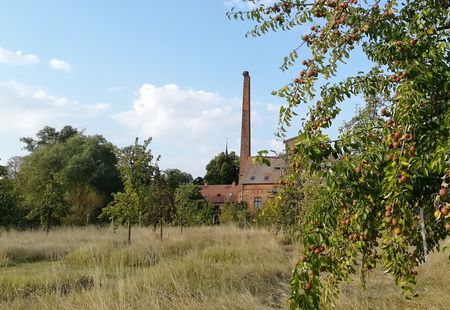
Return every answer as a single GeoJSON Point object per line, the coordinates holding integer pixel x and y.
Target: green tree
{"type": "Point", "coordinates": [136, 169]}
{"type": "Point", "coordinates": [285, 211]}
{"type": "Point", "coordinates": [223, 169]}
{"type": "Point", "coordinates": [188, 200]}
{"type": "Point", "coordinates": [175, 178]}
{"type": "Point", "coordinates": [3, 171]}
{"type": "Point", "coordinates": [390, 175]}
{"type": "Point", "coordinates": [76, 162]}
{"type": "Point", "coordinates": [49, 135]}
{"type": "Point", "coordinates": [198, 181]}
{"type": "Point", "coordinates": [50, 207]}
{"type": "Point", "coordinates": [11, 213]}
{"type": "Point", "coordinates": [84, 202]}
{"type": "Point", "coordinates": [160, 202]}
{"type": "Point", "coordinates": [234, 213]}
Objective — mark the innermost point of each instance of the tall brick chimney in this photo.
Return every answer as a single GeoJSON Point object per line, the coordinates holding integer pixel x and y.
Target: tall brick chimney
{"type": "Point", "coordinates": [245, 129]}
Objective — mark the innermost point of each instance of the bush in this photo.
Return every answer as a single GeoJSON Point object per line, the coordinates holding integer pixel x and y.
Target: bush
{"type": "Point", "coordinates": [234, 213]}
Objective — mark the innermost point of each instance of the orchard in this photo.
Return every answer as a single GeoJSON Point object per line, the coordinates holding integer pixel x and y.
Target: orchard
{"type": "Point", "coordinates": [384, 198]}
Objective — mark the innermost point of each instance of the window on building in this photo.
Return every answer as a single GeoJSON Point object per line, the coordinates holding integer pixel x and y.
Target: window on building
{"type": "Point", "coordinates": [252, 178]}
{"type": "Point", "coordinates": [257, 202]}
{"type": "Point", "coordinates": [266, 178]}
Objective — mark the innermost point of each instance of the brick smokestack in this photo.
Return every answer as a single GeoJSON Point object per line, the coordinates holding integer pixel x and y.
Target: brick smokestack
{"type": "Point", "coordinates": [245, 129]}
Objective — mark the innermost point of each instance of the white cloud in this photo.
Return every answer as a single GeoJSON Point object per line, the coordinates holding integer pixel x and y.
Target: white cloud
{"type": "Point", "coordinates": [276, 145]}
{"type": "Point", "coordinates": [26, 109]}
{"type": "Point", "coordinates": [169, 112]}
{"type": "Point", "coordinates": [192, 125]}
{"type": "Point", "coordinates": [58, 64]}
{"type": "Point", "coordinates": [17, 58]}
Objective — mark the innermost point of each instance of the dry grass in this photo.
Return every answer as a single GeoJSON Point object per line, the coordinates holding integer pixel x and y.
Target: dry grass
{"type": "Point", "coordinates": [432, 287]}
{"type": "Point", "coordinates": [88, 268]}
{"type": "Point", "coordinates": [205, 268]}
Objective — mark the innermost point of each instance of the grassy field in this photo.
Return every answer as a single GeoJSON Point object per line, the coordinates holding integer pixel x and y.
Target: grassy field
{"type": "Point", "coordinates": [204, 268]}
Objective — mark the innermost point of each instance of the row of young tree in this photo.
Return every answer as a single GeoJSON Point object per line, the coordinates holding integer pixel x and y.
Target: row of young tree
{"type": "Point", "coordinates": [72, 178]}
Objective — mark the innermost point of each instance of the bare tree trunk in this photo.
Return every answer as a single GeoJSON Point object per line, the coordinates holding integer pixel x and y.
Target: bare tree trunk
{"type": "Point", "coordinates": [129, 231]}
{"type": "Point", "coordinates": [181, 229]}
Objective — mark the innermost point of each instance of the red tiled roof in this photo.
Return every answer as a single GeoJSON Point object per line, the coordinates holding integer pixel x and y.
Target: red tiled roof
{"type": "Point", "coordinates": [220, 193]}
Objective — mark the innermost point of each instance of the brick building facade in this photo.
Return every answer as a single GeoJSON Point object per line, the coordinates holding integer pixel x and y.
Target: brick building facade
{"type": "Point", "coordinates": [257, 182]}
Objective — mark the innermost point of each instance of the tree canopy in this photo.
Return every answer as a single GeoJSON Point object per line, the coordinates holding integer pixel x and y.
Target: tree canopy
{"type": "Point", "coordinates": [49, 135]}
{"type": "Point", "coordinates": [176, 177]}
{"type": "Point", "coordinates": [3, 171]}
{"type": "Point", "coordinates": [189, 205]}
{"type": "Point", "coordinates": [11, 214]}
{"type": "Point", "coordinates": [386, 177]}
{"type": "Point", "coordinates": [83, 166]}
{"type": "Point", "coordinates": [223, 169]}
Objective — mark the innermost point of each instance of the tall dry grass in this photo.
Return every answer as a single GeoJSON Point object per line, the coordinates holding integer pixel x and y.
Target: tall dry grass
{"type": "Point", "coordinates": [89, 268]}
{"type": "Point", "coordinates": [204, 268]}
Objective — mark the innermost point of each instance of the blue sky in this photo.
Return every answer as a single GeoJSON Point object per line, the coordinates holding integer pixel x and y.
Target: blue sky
{"type": "Point", "coordinates": [169, 70]}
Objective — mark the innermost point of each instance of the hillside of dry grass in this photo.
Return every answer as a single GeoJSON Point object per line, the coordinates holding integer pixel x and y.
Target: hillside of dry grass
{"type": "Point", "coordinates": [204, 268]}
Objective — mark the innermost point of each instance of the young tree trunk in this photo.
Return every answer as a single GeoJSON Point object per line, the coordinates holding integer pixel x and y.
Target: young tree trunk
{"type": "Point", "coordinates": [181, 229]}
{"type": "Point", "coordinates": [160, 228]}
{"type": "Point", "coordinates": [48, 223]}
{"type": "Point", "coordinates": [129, 231]}
{"type": "Point", "coordinates": [424, 237]}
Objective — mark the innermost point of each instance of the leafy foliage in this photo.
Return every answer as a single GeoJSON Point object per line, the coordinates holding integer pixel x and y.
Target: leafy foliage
{"type": "Point", "coordinates": [387, 175]}
{"type": "Point", "coordinates": [50, 207]}
{"type": "Point", "coordinates": [286, 210]}
{"type": "Point", "coordinates": [136, 169]}
{"type": "Point", "coordinates": [49, 135]}
{"type": "Point", "coordinates": [223, 169]}
{"type": "Point", "coordinates": [175, 178]}
{"type": "Point", "coordinates": [159, 202]}
{"type": "Point", "coordinates": [11, 213]}
{"type": "Point", "coordinates": [236, 213]}
{"type": "Point", "coordinates": [198, 181]}
{"type": "Point", "coordinates": [191, 209]}
{"type": "Point", "coordinates": [84, 202]}
{"type": "Point", "coordinates": [76, 163]}
{"type": "Point", "coordinates": [3, 171]}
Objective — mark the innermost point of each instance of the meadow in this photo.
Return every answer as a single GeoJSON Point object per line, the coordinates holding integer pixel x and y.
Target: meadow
{"type": "Point", "coordinates": [222, 267]}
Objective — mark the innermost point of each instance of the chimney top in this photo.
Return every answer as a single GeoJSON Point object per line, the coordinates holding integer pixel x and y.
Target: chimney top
{"type": "Point", "coordinates": [245, 73]}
